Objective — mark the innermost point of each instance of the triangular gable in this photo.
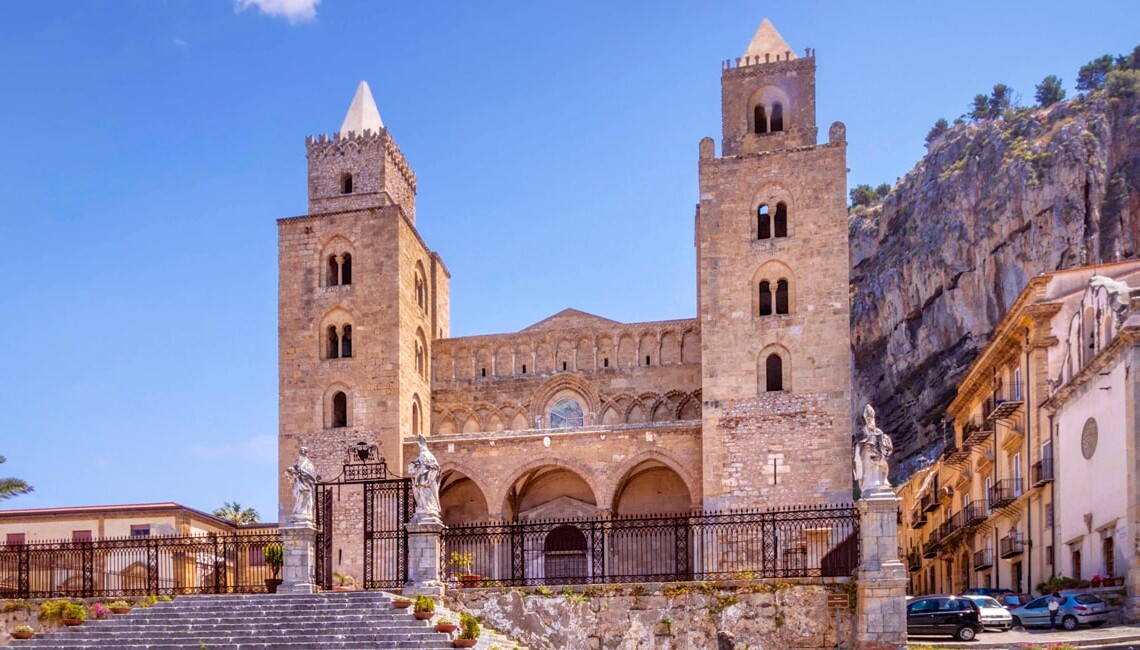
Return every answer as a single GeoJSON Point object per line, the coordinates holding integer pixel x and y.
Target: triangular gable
{"type": "Point", "coordinates": [570, 319]}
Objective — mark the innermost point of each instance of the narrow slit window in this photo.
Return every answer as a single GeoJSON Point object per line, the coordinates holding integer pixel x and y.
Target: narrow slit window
{"type": "Point", "coordinates": [346, 342]}
{"type": "Point", "coordinates": [760, 118]}
{"type": "Point", "coordinates": [340, 410]}
{"type": "Point", "coordinates": [765, 298]}
{"type": "Point", "coordinates": [482, 372]}
{"type": "Point", "coordinates": [524, 368]}
{"type": "Point", "coordinates": [346, 269]}
{"type": "Point", "coordinates": [333, 272]}
{"type": "Point", "coordinates": [333, 348]}
{"type": "Point", "coordinates": [647, 360]}
{"type": "Point", "coordinates": [564, 365]}
{"type": "Point", "coordinates": [782, 297]}
{"type": "Point", "coordinates": [606, 362]}
{"type": "Point", "coordinates": [777, 117]}
{"type": "Point", "coordinates": [774, 373]}
{"type": "Point", "coordinates": [346, 184]}
{"type": "Point", "coordinates": [781, 220]}
{"type": "Point", "coordinates": [763, 222]}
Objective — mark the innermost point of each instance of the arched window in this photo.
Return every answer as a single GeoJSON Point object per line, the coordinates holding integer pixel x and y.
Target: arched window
{"type": "Point", "coordinates": [773, 373]}
{"type": "Point", "coordinates": [332, 275]}
{"type": "Point", "coordinates": [332, 351]}
{"type": "Point", "coordinates": [765, 298]}
{"type": "Point", "coordinates": [564, 555]}
{"type": "Point", "coordinates": [781, 221]}
{"type": "Point", "coordinates": [781, 296]}
{"type": "Point", "coordinates": [421, 287]}
{"type": "Point", "coordinates": [763, 222]}
{"type": "Point", "coordinates": [415, 416]}
{"type": "Point", "coordinates": [346, 342]}
{"type": "Point", "coordinates": [346, 265]}
{"type": "Point", "coordinates": [777, 117]}
{"type": "Point", "coordinates": [566, 412]}
{"type": "Point", "coordinates": [346, 183]}
{"type": "Point", "coordinates": [760, 117]}
{"type": "Point", "coordinates": [339, 410]}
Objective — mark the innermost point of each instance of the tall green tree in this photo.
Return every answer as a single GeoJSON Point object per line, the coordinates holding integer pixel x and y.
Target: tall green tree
{"type": "Point", "coordinates": [940, 127]}
{"type": "Point", "coordinates": [235, 513]}
{"type": "Point", "coordinates": [862, 194]}
{"type": "Point", "coordinates": [980, 109]}
{"type": "Point", "coordinates": [12, 487]}
{"type": "Point", "coordinates": [1049, 91]}
{"type": "Point", "coordinates": [1001, 99]}
{"type": "Point", "coordinates": [1091, 76]}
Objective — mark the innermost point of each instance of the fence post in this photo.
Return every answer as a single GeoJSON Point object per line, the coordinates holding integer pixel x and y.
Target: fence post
{"type": "Point", "coordinates": [23, 568]}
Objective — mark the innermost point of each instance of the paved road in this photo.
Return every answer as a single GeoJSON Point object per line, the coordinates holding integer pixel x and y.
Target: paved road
{"type": "Point", "coordinates": [1109, 636]}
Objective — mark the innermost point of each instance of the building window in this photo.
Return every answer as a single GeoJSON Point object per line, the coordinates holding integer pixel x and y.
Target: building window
{"type": "Point", "coordinates": [338, 270]}
{"type": "Point", "coordinates": [765, 298]}
{"type": "Point", "coordinates": [1075, 558]}
{"type": "Point", "coordinates": [564, 553]}
{"type": "Point", "coordinates": [81, 535]}
{"type": "Point", "coordinates": [346, 269]}
{"type": "Point", "coordinates": [760, 119]}
{"type": "Point", "coordinates": [1049, 555]}
{"type": "Point", "coordinates": [15, 539]}
{"type": "Point", "coordinates": [567, 412]}
{"type": "Point", "coordinates": [773, 373]}
{"type": "Point", "coordinates": [346, 342]}
{"type": "Point", "coordinates": [1108, 549]}
{"type": "Point", "coordinates": [524, 368]}
{"type": "Point", "coordinates": [421, 287]}
{"type": "Point", "coordinates": [346, 183]}
{"type": "Point", "coordinates": [338, 342]}
{"type": "Point", "coordinates": [416, 418]}
{"type": "Point", "coordinates": [763, 222]}
{"type": "Point", "coordinates": [777, 117]}
{"type": "Point", "coordinates": [782, 297]}
{"type": "Point", "coordinates": [140, 530]}
{"type": "Point", "coordinates": [1049, 515]}
{"type": "Point", "coordinates": [781, 221]}
{"type": "Point", "coordinates": [339, 410]}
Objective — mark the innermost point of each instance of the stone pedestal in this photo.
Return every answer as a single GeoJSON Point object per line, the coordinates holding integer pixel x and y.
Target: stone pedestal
{"type": "Point", "coordinates": [880, 617]}
{"type": "Point", "coordinates": [425, 539]}
{"type": "Point", "coordinates": [299, 541]}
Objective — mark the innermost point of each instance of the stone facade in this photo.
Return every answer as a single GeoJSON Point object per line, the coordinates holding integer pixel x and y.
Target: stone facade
{"type": "Point", "coordinates": [744, 406]}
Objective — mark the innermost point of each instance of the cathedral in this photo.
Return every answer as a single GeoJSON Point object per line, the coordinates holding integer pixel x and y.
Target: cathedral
{"type": "Point", "coordinates": [747, 405]}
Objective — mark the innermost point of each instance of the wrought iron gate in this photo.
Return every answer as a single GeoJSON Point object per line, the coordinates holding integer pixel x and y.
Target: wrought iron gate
{"type": "Point", "coordinates": [387, 506]}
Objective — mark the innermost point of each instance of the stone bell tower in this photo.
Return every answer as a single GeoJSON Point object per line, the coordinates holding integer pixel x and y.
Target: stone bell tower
{"type": "Point", "coordinates": [360, 300]}
{"type": "Point", "coordinates": [772, 259]}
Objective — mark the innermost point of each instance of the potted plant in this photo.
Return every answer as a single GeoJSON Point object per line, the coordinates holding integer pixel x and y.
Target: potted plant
{"type": "Point", "coordinates": [22, 632]}
{"type": "Point", "coordinates": [468, 631]}
{"type": "Point", "coordinates": [100, 611]}
{"type": "Point", "coordinates": [425, 608]}
{"type": "Point", "coordinates": [462, 564]}
{"type": "Point", "coordinates": [399, 602]}
{"type": "Point", "coordinates": [344, 582]}
{"type": "Point", "coordinates": [274, 557]}
{"type": "Point", "coordinates": [1097, 580]}
{"type": "Point", "coordinates": [74, 614]}
{"type": "Point", "coordinates": [445, 625]}
{"type": "Point", "coordinates": [119, 607]}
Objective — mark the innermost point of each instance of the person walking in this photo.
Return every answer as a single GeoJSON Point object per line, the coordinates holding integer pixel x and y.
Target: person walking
{"type": "Point", "coordinates": [1054, 605]}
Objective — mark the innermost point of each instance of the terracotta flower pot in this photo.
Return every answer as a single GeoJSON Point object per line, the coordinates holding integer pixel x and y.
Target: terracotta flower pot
{"type": "Point", "coordinates": [23, 635]}
{"type": "Point", "coordinates": [469, 580]}
{"type": "Point", "coordinates": [71, 621]}
{"type": "Point", "coordinates": [401, 604]}
{"type": "Point", "coordinates": [423, 616]}
{"type": "Point", "coordinates": [343, 588]}
{"type": "Point", "coordinates": [120, 610]}
{"type": "Point", "coordinates": [465, 643]}
{"type": "Point", "coordinates": [271, 585]}
{"type": "Point", "coordinates": [446, 628]}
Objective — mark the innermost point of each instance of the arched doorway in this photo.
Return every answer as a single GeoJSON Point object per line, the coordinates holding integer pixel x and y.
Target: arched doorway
{"type": "Point", "coordinates": [564, 555]}
{"type": "Point", "coordinates": [461, 501]}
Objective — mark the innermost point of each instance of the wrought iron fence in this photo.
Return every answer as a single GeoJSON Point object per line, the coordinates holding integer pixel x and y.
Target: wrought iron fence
{"type": "Point", "coordinates": [137, 566]}
{"type": "Point", "coordinates": [802, 542]}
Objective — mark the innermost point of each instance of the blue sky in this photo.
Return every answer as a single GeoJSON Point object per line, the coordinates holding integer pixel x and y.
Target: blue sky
{"type": "Point", "coordinates": [150, 146]}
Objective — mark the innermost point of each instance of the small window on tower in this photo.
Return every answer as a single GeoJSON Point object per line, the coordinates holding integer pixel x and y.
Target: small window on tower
{"type": "Point", "coordinates": [606, 362]}
{"type": "Point", "coordinates": [763, 222]}
{"type": "Point", "coordinates": [765, 298]}
{"type": "Point", "coordinates": [782, 297]}
{"type": "Point", "coordinates": [563, 365]}
{"type": "Point", "coordinates": [781, 221]}
{"type": "Point", "coordinates": [647, 360]}
{"type": "Point", "coordinates": [774, 373]}
{"type": "Point", "coordinates": [777, 117]}
{"type": "Point", "coordinates": [346, 184]}
{"type": "Point", "coordinates": [346, 268]}
{"type": "Point", "coordinates": [346, 342]}
{"type": "Point", "coordinates": [339, 410]}
{"type": "Point", "coordinates": [760, 118]}
{"type": "Point", "coordinates": [333, 348]}
{"type": "Point", "coordinates": [333, 273]}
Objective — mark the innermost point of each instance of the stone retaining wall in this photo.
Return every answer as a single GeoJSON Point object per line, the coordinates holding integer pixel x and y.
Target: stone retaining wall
{"type": "Point", "coordinates": [731, 615]}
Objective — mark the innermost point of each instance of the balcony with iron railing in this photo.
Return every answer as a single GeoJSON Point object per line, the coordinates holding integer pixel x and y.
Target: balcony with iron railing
{"type": "Point", "coordinates": [1004, 492]}
{"type": "Point", "coordinates": [914, 560]}
{"type": "Point", "coordinates": [1004, 401]}
{"type": "Point", "coordinates": [917, 518]}
{"type": "Point", "coordinates": [1042, 472]}
{"type": "Point", "coordinates": [983, 560]}
{"type": "Point", "coordinates": [932, 544]}
{"type": "Point", "coordinates": [951, 526]}
{"type": "Point", "coordinates": [1010, 546]}
{"type": "Point", "coordinates": [974, 514]}
{"type": "Point", "coordinates": [976, 431]}
{"type": "Point", "coordinates": [930, 500]}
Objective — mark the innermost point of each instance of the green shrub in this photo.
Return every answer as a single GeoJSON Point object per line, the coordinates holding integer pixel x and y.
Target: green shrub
{"type": "Point", "coordinates": [468, 626]}
{"type": "Point", "coordinates": [75, 611]}
{"type": "Point", "coordinates": [52, 610]}
{"type": "Point", "coordinates": [1123, 83]}
{"type": "Point", "coordinates": [424, 604]}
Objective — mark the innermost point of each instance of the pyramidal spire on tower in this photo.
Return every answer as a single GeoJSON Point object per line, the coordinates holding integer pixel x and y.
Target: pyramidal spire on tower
{"type": "Point", "coordinates": [768, 43]}
{"type": "Point", "coordinates": [362, 113]}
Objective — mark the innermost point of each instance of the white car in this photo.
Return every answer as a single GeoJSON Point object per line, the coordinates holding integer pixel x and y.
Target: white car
{"type": "Point", "coordinates": [993, 615]}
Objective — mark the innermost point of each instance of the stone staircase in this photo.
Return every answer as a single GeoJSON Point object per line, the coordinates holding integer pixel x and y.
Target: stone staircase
{"type": "Point", "coordinates": [240, 622]}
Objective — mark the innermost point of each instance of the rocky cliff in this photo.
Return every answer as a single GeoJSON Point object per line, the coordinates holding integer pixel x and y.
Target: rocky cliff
{"type": "Point", "coordinates": [936, 265]}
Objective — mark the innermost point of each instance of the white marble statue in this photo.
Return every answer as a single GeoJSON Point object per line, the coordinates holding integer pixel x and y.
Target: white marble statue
{"type": "Point", "coordinates": [426, 474]}
{"type": "Point", "coordinates": [304, 478]}
{"type": "Point", "coordinates": [871, 453]}
{"type": "Point", "coordinates": [1120, 295]}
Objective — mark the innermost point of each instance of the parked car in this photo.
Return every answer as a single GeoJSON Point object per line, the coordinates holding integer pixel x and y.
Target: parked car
{"type": "Point", "coordinates": [1076, 609]}
{"type": "Point", "coordinates": [955, 616]}
{"type": "Point", "coordinates": [986, 591]}
{"type": "Point", "coordinates": [993, 615]}
{"type": "Point", "coordinates": [1012, 601]}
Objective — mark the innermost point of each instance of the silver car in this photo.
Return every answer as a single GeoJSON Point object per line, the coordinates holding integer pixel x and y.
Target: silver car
{"type": "Point", "coordinates": [1076, 609]}
{"type": "Point", "coordinates": [993, 615]}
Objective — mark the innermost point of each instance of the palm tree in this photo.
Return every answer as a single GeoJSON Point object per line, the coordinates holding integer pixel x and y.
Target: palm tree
{"type": "Point", "coordinates": [12, 487]}
{"type": "Point", "coordinates": [233, 512]}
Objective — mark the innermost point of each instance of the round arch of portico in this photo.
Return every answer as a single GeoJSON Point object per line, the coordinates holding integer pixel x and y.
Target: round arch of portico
{"type": "Point", "coordinates": [610, 487]}
{"type": "Point", "coordinates": [496, 493]}
{"type": "Point", "coordinates": [474, 476]}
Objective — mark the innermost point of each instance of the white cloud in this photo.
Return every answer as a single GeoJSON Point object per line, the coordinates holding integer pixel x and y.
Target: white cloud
{"type": "Point", "coordinates": [294, 11]}
{"type": "Point", "coordinates": [258, 449]}
{"type": "Point", "coordinates": [181, 44]}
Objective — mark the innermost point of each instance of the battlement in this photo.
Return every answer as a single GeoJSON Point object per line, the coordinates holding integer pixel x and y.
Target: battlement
{"type": "Point", "coordinates": [767, 59]}
{"type": "Point", "coordinates": [340, 144]}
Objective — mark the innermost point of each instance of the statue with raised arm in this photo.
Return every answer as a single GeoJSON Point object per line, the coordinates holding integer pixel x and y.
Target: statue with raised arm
{"type": "Point", "coordinates": [1120, 295]}
{"type": "Point", "coordinates": [871, 453]}
{"type": "Point", "coordinates": [303, 477]}
{"type": "Point", "coordinates": [426, 475]}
